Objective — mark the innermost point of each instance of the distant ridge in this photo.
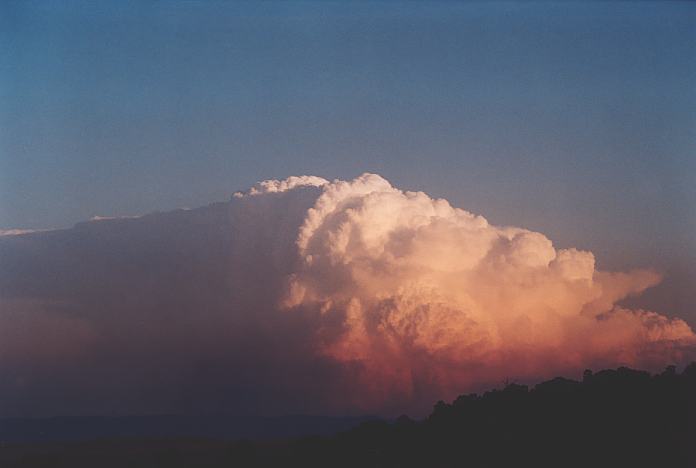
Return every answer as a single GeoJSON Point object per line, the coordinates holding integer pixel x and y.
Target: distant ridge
{"type": "Point", "coordinates": [85, 428]}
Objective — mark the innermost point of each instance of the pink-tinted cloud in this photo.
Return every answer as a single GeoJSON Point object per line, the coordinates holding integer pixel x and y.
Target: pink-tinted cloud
{"type": "Point", "coordinates": [306, 295]}
{"type": "Point", "coordinates": [419, 293]}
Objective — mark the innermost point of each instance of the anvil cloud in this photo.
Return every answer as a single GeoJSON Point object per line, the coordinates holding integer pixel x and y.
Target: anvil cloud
{"type": "Point", "coordinates": [307, 295]}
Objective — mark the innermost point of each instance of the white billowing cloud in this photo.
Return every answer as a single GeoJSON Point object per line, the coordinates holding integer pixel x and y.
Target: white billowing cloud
{"type": "Point", "coordinates": [276, 186]}
{"type": "Point", "coordinates": [305, 295]}
{"type": "Point", "coordinates": [417, 292]}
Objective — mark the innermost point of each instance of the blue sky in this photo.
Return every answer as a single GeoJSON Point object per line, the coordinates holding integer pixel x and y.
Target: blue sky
{"type": "Point", "coordinates": [574, 119]}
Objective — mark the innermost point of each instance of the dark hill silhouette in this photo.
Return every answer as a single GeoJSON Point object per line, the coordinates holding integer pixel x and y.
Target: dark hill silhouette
{"type": "Point", "coordinates": [612, 418]}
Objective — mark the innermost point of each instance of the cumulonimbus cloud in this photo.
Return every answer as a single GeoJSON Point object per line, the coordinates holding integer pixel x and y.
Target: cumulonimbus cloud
{"type": "Point", "coordinates": [417, 293]}
{"type": "Point", "coordinates": [309, 295]}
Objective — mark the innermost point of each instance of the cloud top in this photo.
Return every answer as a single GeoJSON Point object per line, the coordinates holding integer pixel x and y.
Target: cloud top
{"type": "Point", "coordinates": [279, 186]}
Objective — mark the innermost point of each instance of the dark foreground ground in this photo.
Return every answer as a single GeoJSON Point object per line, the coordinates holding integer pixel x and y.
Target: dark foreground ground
{"type": "Point", "coordinates": [614, 418]}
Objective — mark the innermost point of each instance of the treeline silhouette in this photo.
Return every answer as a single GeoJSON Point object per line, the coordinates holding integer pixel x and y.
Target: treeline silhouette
{"type": "Point", "coordinates": [612, 418]}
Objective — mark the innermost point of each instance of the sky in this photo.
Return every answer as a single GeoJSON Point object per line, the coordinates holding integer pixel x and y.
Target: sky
{"type": "Point", "coordinates": [576, 120]}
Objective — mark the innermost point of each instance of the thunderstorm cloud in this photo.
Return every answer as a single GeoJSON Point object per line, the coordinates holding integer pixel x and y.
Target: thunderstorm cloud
{"type": "Point", "coordinates": [306, 295]}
